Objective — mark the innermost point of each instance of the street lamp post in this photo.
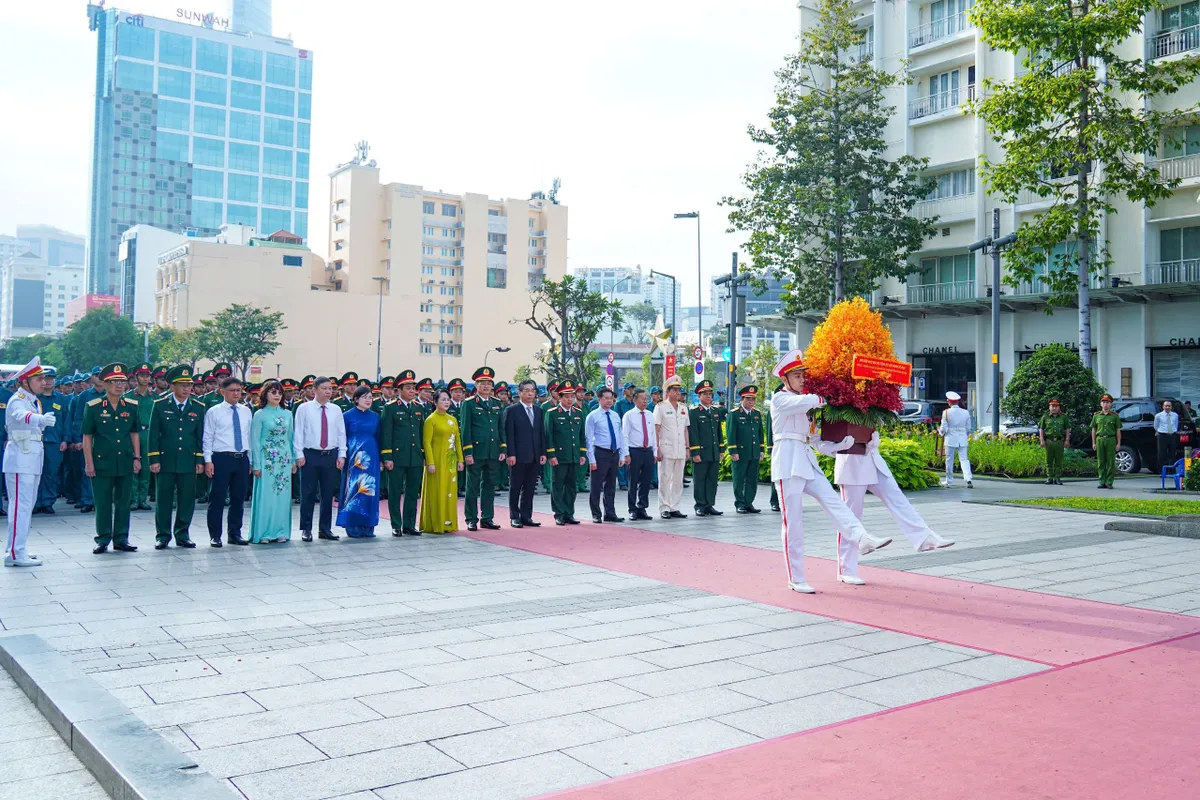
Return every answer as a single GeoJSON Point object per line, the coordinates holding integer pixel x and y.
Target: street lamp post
{"type": "Point", "coordinates": [494, 350]}
{"type": "Point", "coordinates": [379, 332]}
{"type": "Point", "coordinates": [612, 292]}
{"type": "Point", "coordinates": [441, 360]}
{"type": "Point", "coordinates": [699, 280]}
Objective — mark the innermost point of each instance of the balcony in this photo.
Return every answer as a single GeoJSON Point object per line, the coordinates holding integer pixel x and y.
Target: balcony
{"type": "Point", "coordinates": [497, 224]}
{"type": "Point", "coordinates": [445, 262]}
{"type": "Point", "coordinates": [1169, 43]}
{"type": "Point", "coordinates": [940, 292]}
{"type": "Point", "coordinates": [862, 52]}
{"type": "Point", "coordinates": [500, 249]}
{"type": "Point", "coordinates": [441, 222]}
{"type": "Point", "coordinates": [1039, 285]}
{"type": "Point", "coordinates": [537, 251]}
{"type": "Point", "coordinates": [937, 30]}
{"type": "Point", "coordinates": [537, 234]}
{"type": "Point", "coordinates": [1182, 167]}
{"type": "Point", "coordinates": [942, 101]}
{"type": "Point", "coordinates": [1186, 271]}
{"type": "Point", "coordinates": [946, 209]}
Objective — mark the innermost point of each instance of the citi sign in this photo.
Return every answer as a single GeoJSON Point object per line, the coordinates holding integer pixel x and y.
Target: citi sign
{"type": "Point", "coordinates": [206, 18]}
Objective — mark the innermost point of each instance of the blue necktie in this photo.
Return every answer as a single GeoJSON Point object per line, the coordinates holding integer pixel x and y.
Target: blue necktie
{"type": "Point", "coordinates": [612, 434]}
{"type": "Point", "coordinates": [237, 430]}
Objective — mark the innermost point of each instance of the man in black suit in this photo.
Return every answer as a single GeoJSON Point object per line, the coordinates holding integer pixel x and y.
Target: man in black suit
{"type": "Point", "coordinates": [525, 436]}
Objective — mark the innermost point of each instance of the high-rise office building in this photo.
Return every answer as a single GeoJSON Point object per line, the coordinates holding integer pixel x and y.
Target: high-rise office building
{"type": "Point", "coordinates": [34, 296]}
{"type": "Point", "coordinates": [56, 246]}
{"type": "Point", "coordinates": [769, 301]}
{"type": "Point", "coordinates": [634, 287]}
{"type": "Point", "coordinates": [196, 126]}
{"type": "Point", "coordinates": [250, 16]}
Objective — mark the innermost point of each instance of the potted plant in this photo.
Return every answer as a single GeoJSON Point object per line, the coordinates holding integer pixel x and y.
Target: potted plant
{"type": "Point", "coordinates": [851, 364]}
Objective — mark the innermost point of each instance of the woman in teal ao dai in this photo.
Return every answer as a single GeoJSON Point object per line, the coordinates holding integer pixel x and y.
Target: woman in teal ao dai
{"type": "Point", "coordinates": [358, 504]}
{"type": "Point", "coordinates": [273, 462]}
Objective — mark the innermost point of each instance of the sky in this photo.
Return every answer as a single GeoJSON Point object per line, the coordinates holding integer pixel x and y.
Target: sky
{"type": "Point", "coordinates": [639, 107]}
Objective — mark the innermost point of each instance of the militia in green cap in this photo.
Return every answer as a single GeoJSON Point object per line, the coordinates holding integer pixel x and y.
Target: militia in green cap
{"type": "Point", "coordinates": [114, 372]}
{"type": "Point", "coordinates": [143, 369]}
{"type": "Point", "coordinates": [457, 383]}
{"type": "Point", "coordinates": [406, 376]}
{"type": "Point", "coordinates": [222, 370]}
{"type": "Point", "coordinates": [161, 371]}
{"type": "Point", "coordinates": [307, 381]}
{"type": "Point", "coordinates": [180, 374]}
{"type": "Point", "coordinates": [349, 379]}
{"type": "Point", "coordinates": [748, 391]}
{"type": "Point", "coordinates": [425, 383]}
{"type": "Point", "coordinates": [704, 386]}
{"type": "Point", "coordinates": [484, 374]}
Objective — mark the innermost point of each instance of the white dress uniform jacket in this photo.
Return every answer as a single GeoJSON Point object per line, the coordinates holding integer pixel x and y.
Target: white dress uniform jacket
{"type": "Point", "coordinates": [956, 427]}
{"type": "Point", "coordinates": [792, 456]}
{"type": "Point", "coordinates": [23, 453]}
{"type": "Point", "coordinates": [864, 470]}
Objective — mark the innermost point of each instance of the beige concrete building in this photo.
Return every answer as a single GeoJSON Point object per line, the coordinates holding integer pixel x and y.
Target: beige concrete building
{"type": "Point", "coordinates": [1145, 334]}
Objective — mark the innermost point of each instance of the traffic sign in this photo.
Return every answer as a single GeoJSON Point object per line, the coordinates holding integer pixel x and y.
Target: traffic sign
{"type": "Point", "coordinates": [726, 354]}
{"type": "Point", "coordinates": [612, 357]}
{"type": "Point", "coordinates": [921, 383]}
{"type": "Point", "coordinates": [609, 381]}
{"type": "Point", "coordinates": [608, 369]}
{"type": "Point", "coordinates": [699, 368]}
{"type": "Point", "coordinates": [697, 353]}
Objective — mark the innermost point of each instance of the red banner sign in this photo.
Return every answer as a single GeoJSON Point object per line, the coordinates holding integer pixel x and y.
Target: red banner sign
{"type": "Point", "coordinates": [669, 366]}
{"type": "Point", "coordinates": [869, 368]}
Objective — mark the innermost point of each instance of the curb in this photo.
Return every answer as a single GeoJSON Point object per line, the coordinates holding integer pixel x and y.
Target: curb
{"type": "Point", "coordinates": [128, 758]}
{"type": "Point", "coordinates": [1007, 504]}
{"type": "Point", "coordinates": [1183, 526]}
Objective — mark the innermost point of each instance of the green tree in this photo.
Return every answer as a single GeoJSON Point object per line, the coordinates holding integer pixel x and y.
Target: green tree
{"type": "Point", "coordinates": [523, 372]}
{"type": "Point", "coordinates": [827, 208]}
{"type": "Point", "coordinates": [1053, 372]}
{"type": "Point", "coordinates": [568, 310]}
{"type": "Point", "coordinates": [102, 336]}
{"type": "Point", "coordinates": [639, 319]}
{"type": "Point", "coordinates": [1074, 128]}
{"type": "Point", "coordinates": [20, 351]}
{"type": "Point", "coordinates": [758, 365]}
{"type": "Point", "coordinates": [240, 334]}
{"type": "Point", "coordinates": [184, 346]}
{"type": "Point", "coordinates": [636, 377]}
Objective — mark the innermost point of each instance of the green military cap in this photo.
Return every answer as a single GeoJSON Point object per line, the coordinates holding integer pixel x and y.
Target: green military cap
{"type": "Point", "coordinates": [704, 386]}
{"type": "Point", "coordinates": [289, 383]}
{"type": "Point", "coordinates": [222, 370]}
{"type": "Point", "coordinates": [457, 383]}
{"type": "Point", "coordinates": [115, 371]}
{"type": "Point", "coordinates": [387, 382]}
{"type": "Point", "coordinates": [198, 379]}
{"type": "Point", "coordinates": [349, 379]}
{"type": "Point", "coordinates": [162, 370]}
{"type": "Point", "coordinates": [208, 376]}
{"type": "Point", "coordinates": [425, 383]}
{"type": "Point", "coordinates": [747, 391]}
{"type": "Point", "coordinates": [143, 369]}
{"type": "Point", "coordinates": [552, 386]}
{"type": "Point", "coordinates": [566, 386]}
{"type": "Point", "coordinates": [365, 382]}
{"type": "Point", "coordinates": [307, 381]}
{"type": "Point", "coordinates": [405, 376]}
{"type": "Point", "coordinates": [502, 386]}
{"type": "Point", "coordinates": [484, 374]}
{"type": "Point", "coordinates": [180, 374]}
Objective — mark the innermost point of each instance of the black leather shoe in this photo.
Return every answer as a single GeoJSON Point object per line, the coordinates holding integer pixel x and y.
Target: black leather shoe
{"type": "Point", "coordinates": [742, 510]}
{"type": "Point", "coordinates": [48, 510]}
{"type": "Point", "coordinates": [516, 523]}
{"type": "Point", "coordinates": [701, 512]}
{"type": "Point", "coordinates": [678, 515]}
{"type": "Point", "coordinates": [1049, 482]}
{"type": "Point", "coordinates": [753, 510]}
{"type": "Point", "coordinates": [238, 540]}
{"type": "Point", "coordinates": [712, 512]}
{"type": "Point", "coordinates": [667, 515]}
{"type": "Point", "coordinates": [411, 532]}
{"type": "Point", "coordinates": [3, 513]}
{"type": "Point", "coordinates": [214, 543]}
{"type": "Point", "coordinates": [398, 532]}
{"type": "Point", "coordinates": [329, 535]}
{"type": "Point", "coordinates": [597, 520]}
{"type": "Point", "coordinates": [36, 510]}
{"type": "Point", "coordinates": [614, 519]}
{"type": "Point", "coordinates": [187, 545]}
{"type": "Point", "coordinates": [571, 521]}
{"type": "Point", "coordinates": [306, 536]}
{"type": "Point", "coordinates": [775, 507]}
{"type": "Point", "coordinates": [558, 521]}
{"type": "Point", "coordinates": [528, 523]}
{"type": "Point", "coordinates": [488, 525]}
{"type": "Point", "coordinates": [86, 509]}
{"type": "Point", "coordinates": [125, 547]}
{"type": "Point", "coordinates": [161, 545]}
{"type": "Point", "coordinates": [472, 526]}
{"type": "Point", "coordinates": [1058, 483]}
{"type": "Point", "coordinates": [100, 548]}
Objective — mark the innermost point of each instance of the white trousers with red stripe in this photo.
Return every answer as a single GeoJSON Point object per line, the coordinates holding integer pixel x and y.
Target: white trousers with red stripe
{"type": "Point", "coordinates": [791, 498]}
{"type": "Point", "coordinates": [22, 496]}
{"type": "Point", "coordinates": [914, 528]}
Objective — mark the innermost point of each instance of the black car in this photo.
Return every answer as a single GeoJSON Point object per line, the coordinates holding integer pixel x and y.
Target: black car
{"type": "Point", "coordinates": [1138, 449]}
{"type": "Point", "coordinates": [923, 412]}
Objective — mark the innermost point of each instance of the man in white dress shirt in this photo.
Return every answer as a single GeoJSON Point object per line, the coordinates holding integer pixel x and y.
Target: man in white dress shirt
{"type": "Point", "coordinates": [955, 429]}
{"type": "Point", "coordinates": [23, 460]}
{"type": "Point", "coordinates": [227, 461]}
{"type": "Point", "coordinates": [1166, 434]}
{"type": "Point", "coordinates": [320, 445]}
{"type": "Point", "coordinates": [858, 474]}
{"type": "Point", "coordinates": [638, 428]}
{"type": "Point", "coordinates": [796, 472]}
{"type": "Point", "coordinates": [671, 422]}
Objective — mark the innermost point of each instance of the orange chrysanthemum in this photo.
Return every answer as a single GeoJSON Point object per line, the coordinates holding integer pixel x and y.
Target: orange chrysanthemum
{"type": "Point", "coordinates": [850, 327]}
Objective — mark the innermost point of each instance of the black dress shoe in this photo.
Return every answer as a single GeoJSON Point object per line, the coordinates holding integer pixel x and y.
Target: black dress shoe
{"type": "Point", "coordinates": [3, 513]}
{"type": "Point", "coordinates": [187, 545]}
{"type": "Point", "coordinates": [87, 509]}
{"type": "Point", "coordinates": [753, 510]}
{"type": "Point", "coordinates": [161, 545]}
{"type": "Point", "coordinates": [488, 525]}
{"type": "Point", "coordinates": [775, 507]}
{"type": "Point", "coordinates": [571, 521]}
{"type": "Point", "coordinates": [613, 518]}
{"type": "Point", "coordinates": [516, 523]}
{"type": "Point", "coordinates": [1058, 483]}
{"type": "Point", "coordinates": [329, 535]}
{"type": "Point", "coordinates": [530, 523]}
{"type": "Point", "coordinates": [411, 532]}
{"type": "Point", "coordinates": [305, 536]}
{"type": "Point", "coordinates": [742, 510]}
{"type": "Point", "coordinates": [238, 540]}
{"type": "Point", "coordinates": [100, 548]}
{"type": "Point", "coordinates": [36, 510]}
{"type": "Point", "coordinates": [398, 532]}
{"type": "Point", "coordinates": [558, 521]}
{"type": "Point", "coordinates": [48, 510]}
{"type": "Point", "coordinates": [214, 543]}
{"type": "Point", "coordinates": [597, 520]}
{"type": "Point", "coordinates": [712, 512]}
{"type": "Point", "coordinates": [472, 526]}
{"type": "Point", "coordinates": [701, 512]}
{"type": "Point", "coordinates": [678, 515]}
{"type": "Point", "coordinates": [125, 547]}
{"type": "Point", "coordinates": [667, 515]}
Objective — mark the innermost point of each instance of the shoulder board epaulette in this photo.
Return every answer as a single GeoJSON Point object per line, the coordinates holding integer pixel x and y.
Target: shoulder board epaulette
{"type": "Point", "coordinates": [95, 400]}
{"type": "Point", "coordinates": [162, 398]}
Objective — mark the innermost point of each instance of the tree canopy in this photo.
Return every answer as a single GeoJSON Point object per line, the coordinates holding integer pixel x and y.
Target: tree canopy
{"type": "Point", "coordinates": [240, 334]}
{"type": "Point", "coordinates": [567, 309]}
{"type": "Point", "coordinates": [1053, 372]}
{"type": "Point", "coordinates": [99, 337]}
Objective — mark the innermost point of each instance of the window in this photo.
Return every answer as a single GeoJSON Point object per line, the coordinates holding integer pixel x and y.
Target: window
{"type": "Point", "coordinates": [276, 219]}
{"type": "Point", "coordinates": [953, 184]}
{"type": "Point", "coordinates": [338, 245]}
{"type": "Point", "coordinates": [301, 194]}
{"type": "Point", "coordinates": [1179, 244]}
{"type": "Point", "coordinates": [281, 101]}
{"type": "Point", "coordinates": [302, 135]}
{"type": "Point", "coordinates": [210, 120]}
{"type": "Point", "coordinates": [277, 162]}
{"type": "Point", "coordinates": [304, 106]}
{"type": "Point", "coordinates": [246, 127]}
{"type": "Point", "coordinates": [293, 261]}
{"type": "Point", "coordinates": [449, 210]}
{"type": "Point", "coordinates": [943, 91]}
{"type": "Point", "coordinates": [243, 188]}
{"type": "Point", "coordinates": [212, 56]}
{"type": "Point", "coordinates": [209, 152]}
{"type": "Point", "coordinates": [426, 289]}
{"type": "Point", "coordinates": [144, 118]}
{"type": "Point", "coordinates": [247, 64]}
{"type": "Point", "coordinates": [174, 115]}
{"type": "Point", "coordinates": [532, 261]}
{"type": "Point", "coordinates": [281, 70]}
{"type": "Point", "coordinates": [172, 146]}
{"type": "Point", "coordinates": [135, 42]}
{"type": "Point", "coordinates": [246, 95]}
{"type": "Point", "coordinates": [211, 89]}
{"type": "Point", "coordinates": [492, 212]}
{"type": "Point", "coordinates": [277, 192]}
{"type": "Point", "coordinates": [306, 73]}
{"type": "Point", "coordinates": [208, 183]}
{"type": "Point", "coordinates": [389, 244]}
{"type": "Point", "coordinates": [139, 77]}
{"type": "Point", "coordinates": [243, 156]}
{"type": "Point", "coordinates": [300, 225]}
{"type": "Point", "coordinates": [278, 131]}
{"type": "Point", "coordinates": [533, 242]}
{"type": "Point", "coordinates": [427, 231]}
{"type": "Point", "coordinates": [242, 215]}
{"type": "Point", "coordinates": [530, 224]}
{"type": "Point", "coordinates": [1187, 141]}
{"type": "Point", "coordinates": [427, 207]}
{"type": "Point", "coordinates": [175, 49]}
{"type": "Point", "coordinates": [946, 269]}
{"type": "Point", "coordinates": [426, 270]}
{"type": "Point", "coordinates": [426, 251]}
{"type": "Point", "coordinates": [301, 165]}
{"type": "Point", "coordinates": [337, 265]}
{"type": "Point", "coordinates": [1179, 17]}
{"type": "Point", "coordinates": [173, 83]}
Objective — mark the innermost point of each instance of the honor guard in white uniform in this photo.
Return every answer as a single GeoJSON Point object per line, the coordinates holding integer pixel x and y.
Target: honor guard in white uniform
{"type": "Point", "coordinates": [955, 429]}
{"type": "Point", "coordinates": [858, 474]}
{"type": "Point", "coordinates": [23, 460]}
{"type": "Point", "coordinates": [794, 469]}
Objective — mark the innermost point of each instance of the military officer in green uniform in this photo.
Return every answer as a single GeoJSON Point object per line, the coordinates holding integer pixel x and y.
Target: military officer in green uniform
{"type": "Point", "coordinates": [566, 452]}
{"type": "Point", "coordinates": [1106, 439]}
{"type": "Point", "coordinates": [704, 422]}
{"type": "Point", "coordinates": [581, 477]}
{"type": "Point", "coordinates": [175, 453]}
{"type": "Point", "coordinates": [503, 394]}
{"type": "Point", "coordinates": [744, 440]}
{"type": "Point", "coordinates": [345, 398]}
{"type": "Point", "coordinates": [1054, 429]}
{"type": "Point", "coordinates": [458, 393]}
{"type": "Point", "coordinates": [481, 423]}
{"type": "Point", "coordinates": [425, 395]}
{"type": "Point", "coordinates": [550, 402]}
{"type": "Point", "coordinates": [112, 456]}
{"type": "Point", "coordinates": [402, 454]}
{"type": "Point", "coordinates": [142, 395]}
{"type": "Point", "coordinates": [386, 384]}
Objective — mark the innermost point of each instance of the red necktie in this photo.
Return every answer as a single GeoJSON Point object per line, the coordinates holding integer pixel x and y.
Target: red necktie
{"type": "Point", "coordinates": [324, 430]}
{"type": "Point", "coordinates": [645, 432]}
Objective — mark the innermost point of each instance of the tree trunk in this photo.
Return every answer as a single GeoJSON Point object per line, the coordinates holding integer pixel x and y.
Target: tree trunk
{"type": "Point", "coordinates": [839, 268]}
{"type": "Point", "coordinates": [1082, 236]}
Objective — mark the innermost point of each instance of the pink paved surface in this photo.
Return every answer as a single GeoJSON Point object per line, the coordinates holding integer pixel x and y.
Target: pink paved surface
{"type": "Point", "coordinates": [1038, 627]}
{"type": "Point", "coordinates": [1121, 726]}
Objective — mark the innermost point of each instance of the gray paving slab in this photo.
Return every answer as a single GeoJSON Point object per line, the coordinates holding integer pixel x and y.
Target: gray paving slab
{"type": "Point", "coordinates": [512, 780]}
{"type": "Point", "coordinates": [362, 737]}
{"type": "Point", "coordinates": [813, 711]}
{"type": "Point", "coordinates": [575, 674]}
{"type": "Point", "coordinates": [556, 702]}
{"type": "Point", "coordinates": [264, 755]}
{"type": "Point", "coordinates": [913, 687]}
{"type": "Point", "coordinates": [675, 709]}
{"type": "Point", "coordinates": [268, 724]}
{"type": "Point", "coordinates": [899, 662]}
{"type": "Point", "coordinates": [528, 739]}
{"type": "Point", "coordinates": [642, 751]}
{"type": "Point", "coordinates": [430, 698]}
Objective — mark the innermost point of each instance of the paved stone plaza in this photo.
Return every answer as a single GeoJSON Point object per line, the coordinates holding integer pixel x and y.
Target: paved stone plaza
{"type": "Point", "coordinates": [450, 667]}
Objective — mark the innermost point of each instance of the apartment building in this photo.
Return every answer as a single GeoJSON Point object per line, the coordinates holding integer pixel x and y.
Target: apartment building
{"type": "Point", "coordinates": [632, 286]}
{"type": "Point", "coordinates": [1145, 333]}
{"type": "Point", "coordinates": [34, 296]}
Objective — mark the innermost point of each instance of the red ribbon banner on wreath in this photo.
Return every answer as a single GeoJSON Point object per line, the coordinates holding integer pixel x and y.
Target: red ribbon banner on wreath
{"type": "Point", "coordinates": [870, 368]}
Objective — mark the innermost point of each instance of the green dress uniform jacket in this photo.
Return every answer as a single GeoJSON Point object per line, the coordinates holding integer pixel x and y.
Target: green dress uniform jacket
{"type": "Point", "coordinates": [112, 428]}
{"type": "Point", "coordinates": [704, 434]}
{"type": "Point", "coordinates": [1106, 427]}
{"type": "Point", "coordinates": [401, 443]}
{"type": "Point", "coordinates": [1054, 428]}
{"type": "Point", "coordinates": [141, 482]}
{"type": "Point", "coordinates": [744, 438]}
{"type": "Point", "coordinates": [481, 426]}
{"type": "Point", "coordinates": [176, 446]}
{"type": "Point", "coordinates": [344, 403]}
{"type": "Point", "coordinates": [565, 442]}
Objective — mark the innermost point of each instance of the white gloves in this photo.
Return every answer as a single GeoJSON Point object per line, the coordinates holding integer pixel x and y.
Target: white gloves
{"type": "Point", "coordinates": [873, 445]}
{"type": "Point", "coordinates": [832, 448]}
{"type": "Point", "coordinates": [45, 420]}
